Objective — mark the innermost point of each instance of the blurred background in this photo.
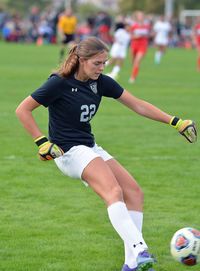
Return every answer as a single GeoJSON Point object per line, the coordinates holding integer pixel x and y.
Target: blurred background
{"type": "Point", "coordinates": [35, 21]}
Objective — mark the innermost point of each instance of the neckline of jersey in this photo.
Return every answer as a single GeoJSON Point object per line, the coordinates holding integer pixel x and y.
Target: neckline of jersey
{"type": "Point", "coordinates": [85, 83]}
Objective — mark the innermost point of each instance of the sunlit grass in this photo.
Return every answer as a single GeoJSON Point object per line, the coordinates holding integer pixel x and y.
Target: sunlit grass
{"type": "Point", "coordinates": [51, 222]}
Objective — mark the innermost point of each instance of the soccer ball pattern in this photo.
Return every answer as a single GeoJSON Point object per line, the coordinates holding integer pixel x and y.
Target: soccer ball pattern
{"type": "Point", "coordinates": [185, 246]}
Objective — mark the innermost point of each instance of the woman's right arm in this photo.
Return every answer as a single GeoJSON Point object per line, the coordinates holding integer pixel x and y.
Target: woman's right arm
{"type": "Point", "coordinates": [24, 113]}
{"type": "Point", "coordinates": [47, 150]}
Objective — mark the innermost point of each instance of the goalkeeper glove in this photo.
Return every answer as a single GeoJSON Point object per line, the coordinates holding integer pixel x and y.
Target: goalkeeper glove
{"type": "Point", "coordinates": [47, 150]}
{"type": "Point", "coordinates": [187, 128]}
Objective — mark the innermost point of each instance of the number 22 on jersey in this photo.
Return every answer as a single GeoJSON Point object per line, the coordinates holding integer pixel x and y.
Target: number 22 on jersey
{"type": "Point", "coordinates": [87, 112]}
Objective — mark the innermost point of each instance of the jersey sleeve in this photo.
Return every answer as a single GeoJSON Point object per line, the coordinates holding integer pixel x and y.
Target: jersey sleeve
{"type": "Point", "coordinates": [110, 88]}
{"type": "Point", "coordinates": [49, 92]}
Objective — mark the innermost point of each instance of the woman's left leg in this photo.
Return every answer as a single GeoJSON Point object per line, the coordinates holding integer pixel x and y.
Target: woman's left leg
{"type": "Point", "coordinates": [132, 193]}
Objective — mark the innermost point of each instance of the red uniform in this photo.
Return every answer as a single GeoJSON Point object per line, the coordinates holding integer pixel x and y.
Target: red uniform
{"type": "Point", "coordinates": [140, 39]}
{"type": "Point", "coordinates": [197, 34]}
{"type": "Point", "coordinates": [197, 38]}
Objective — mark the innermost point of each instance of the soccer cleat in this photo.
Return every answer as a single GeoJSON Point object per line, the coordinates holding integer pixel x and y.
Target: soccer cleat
{"type": "Point", "coordinates": [145, 261]}
{"type": "Point", "coordinates": [126, 268]}
{"type": "Point", "coordinates": [131, 80]}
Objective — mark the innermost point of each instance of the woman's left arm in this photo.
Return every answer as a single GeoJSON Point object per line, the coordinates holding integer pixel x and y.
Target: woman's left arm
{"type": "Point", "coordinates": [144, 108]}
{"type": "Point", "coordinates": [187, 128]}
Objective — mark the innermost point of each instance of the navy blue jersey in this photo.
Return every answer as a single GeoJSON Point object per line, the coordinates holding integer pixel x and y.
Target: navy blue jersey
{"type": "Point", "coordinates": [72, 104]}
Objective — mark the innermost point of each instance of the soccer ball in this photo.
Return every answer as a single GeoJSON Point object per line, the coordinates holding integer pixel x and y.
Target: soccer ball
{"type": "Point", "coordinates": [185, 246]}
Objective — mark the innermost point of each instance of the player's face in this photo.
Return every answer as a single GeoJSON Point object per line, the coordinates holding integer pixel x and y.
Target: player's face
{"type": "Point", "coordinates": [94, 66]}
{"type": "Point", "coordinates": [140, 16]}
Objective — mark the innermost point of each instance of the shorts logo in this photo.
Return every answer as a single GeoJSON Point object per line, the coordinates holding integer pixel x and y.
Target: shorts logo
{"type": "Point", "coordinates": [93, 87]}
{"type": "Point", "coordinates": [74, 89]}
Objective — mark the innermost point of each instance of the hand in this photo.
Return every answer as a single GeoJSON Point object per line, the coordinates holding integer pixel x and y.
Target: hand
{"type": "Point", "coordinates": [187, 128]}
{"type": "Point", "coordinates": [47, 150]}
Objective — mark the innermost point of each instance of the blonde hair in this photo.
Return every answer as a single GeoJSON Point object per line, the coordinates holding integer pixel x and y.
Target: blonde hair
{"type": "Point", "coordinates": [86, 49]}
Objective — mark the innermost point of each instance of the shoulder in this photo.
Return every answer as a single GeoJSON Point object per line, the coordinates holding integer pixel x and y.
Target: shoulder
{"type": "Point", "coordinates": [109, 87]}
{"type": "Point", "coordinates": [103, 78]}
{"type": "Point", "coordinates": [117, 32]}
{"type": "Point", "coordinates": [56, 82]}
{"type": "Point", "coordinates": [134, 25]}
{"type": "Point", "coordinates": [54, 78]}
{"type": "Point", "coordinates": [61, 17]}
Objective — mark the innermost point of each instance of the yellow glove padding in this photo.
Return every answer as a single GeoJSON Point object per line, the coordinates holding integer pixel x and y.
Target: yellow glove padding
{"type": "Point", "coordinates": [47, 150]}
{"type": "Point", "coordinates": [186, 128]}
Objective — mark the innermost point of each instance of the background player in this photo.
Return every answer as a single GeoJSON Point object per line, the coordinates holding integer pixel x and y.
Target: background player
{"type": "Point", "coordinates": [118, 50]}
{"type": "Point", "coordinates": [140, 32]}
{"type": "Point", "coordinates": [161, 29]}
{"type": "Point", "coordinates": [67, 24]}
{"type": "Point", "coordinates": [196, 38]}
{"type": "Point", "coordinates": [73, 96]}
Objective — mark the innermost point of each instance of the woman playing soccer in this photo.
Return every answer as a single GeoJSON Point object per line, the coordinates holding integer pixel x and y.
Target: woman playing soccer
{"type": "Point", "coordinates": [140, 31]}
{"type": "Point", "coordinates": [72, 96]}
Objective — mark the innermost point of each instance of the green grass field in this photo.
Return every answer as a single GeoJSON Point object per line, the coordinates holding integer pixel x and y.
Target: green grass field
{"type": "Point", "coordinates": [52, 223]}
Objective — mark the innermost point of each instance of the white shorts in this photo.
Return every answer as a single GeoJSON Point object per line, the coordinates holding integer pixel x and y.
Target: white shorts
{"type": "Point", "coordinates": [162, 42]}
{"type": "Point", "coordinates": [74, 161]}
{"type": "Point", "coordinates": [118, 51]}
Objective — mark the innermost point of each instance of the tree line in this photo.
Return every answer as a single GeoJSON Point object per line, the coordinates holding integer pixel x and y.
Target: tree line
{"type": "Point", "coordinates": [125, 6]}
{"type": "Point", "coordinates": [156, 7]}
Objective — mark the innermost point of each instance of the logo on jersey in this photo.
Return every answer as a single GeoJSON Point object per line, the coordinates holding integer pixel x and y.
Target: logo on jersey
{"type": "Point", "coordinates": [93, 87]}
{"type": "Point", "coordinates": [74, 89]}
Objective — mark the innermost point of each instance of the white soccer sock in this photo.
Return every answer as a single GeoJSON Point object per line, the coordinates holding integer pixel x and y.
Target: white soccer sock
{"type": "Point", "coordinates": [115, 70]}
{"type": "Point", "coordinates": [158, 56]}
{"type": "Point", "coordinates": [123, 224]}
{"type": "Point", "coordinates": [137, 218]}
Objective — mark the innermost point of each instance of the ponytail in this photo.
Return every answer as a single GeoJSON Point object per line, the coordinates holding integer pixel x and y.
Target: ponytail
{"type": "Point", "coordinates": [70, 65]}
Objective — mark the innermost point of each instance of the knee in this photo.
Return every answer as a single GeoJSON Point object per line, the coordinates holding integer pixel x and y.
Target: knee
{"type": "Point", "coordinates": [115, 194]}
{"type": "Point", "coordinates": [137, 194]}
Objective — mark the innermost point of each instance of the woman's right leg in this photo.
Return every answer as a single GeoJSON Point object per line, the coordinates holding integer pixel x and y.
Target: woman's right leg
{"type": "Point", "coordinates": [101, 179]}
